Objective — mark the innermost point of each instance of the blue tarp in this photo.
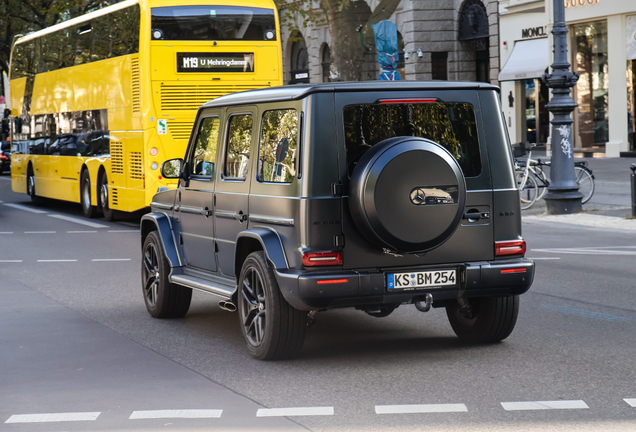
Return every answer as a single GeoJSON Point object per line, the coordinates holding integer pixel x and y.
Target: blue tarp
{"type": "Point", "coordinates": [386, 43]}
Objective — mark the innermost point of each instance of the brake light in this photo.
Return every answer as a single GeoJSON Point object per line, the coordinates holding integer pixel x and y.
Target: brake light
{"type": "Point", "coordinates": [514, 247]}
{"type": "Point", "coordinates": [3, 156]}
{"type": "Point", "coordinates": [515, 270]}
{"type": "Point", "coordinates": [332, 281]}
{"type": "Point", "coordinates": [311, 259]}
{"type": "Point", "coordinates": [403, 101]}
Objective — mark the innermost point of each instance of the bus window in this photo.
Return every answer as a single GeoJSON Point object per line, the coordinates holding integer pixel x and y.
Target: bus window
{"type": "Point", "coordinates": [213, 23]}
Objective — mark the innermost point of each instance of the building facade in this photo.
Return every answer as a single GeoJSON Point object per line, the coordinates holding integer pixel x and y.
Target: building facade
{"type": "Point", "coordinates": [601, 49]}
{"type": "Point", "coordinates": [438, 39]}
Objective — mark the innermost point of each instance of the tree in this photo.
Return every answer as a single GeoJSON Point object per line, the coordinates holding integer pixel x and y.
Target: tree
{"type": "Point", "coordinates": [349, 23]}
{"type": "Point", "coordinates": [20, 17]}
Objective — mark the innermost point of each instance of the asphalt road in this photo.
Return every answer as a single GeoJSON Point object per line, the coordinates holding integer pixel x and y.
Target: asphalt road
{"type": "Point", "coordinates": [76, 343]}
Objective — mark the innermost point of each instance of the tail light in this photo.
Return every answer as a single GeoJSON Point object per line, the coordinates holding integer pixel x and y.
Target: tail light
{"type": "Point", "coordinates": [3, 156]}
{"type": "Point", "coordinates": [513, 247]}
{"type": "Point", "coordinates": [312, 259]}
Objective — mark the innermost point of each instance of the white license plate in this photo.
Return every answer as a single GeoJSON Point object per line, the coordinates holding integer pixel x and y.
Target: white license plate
{"type": "Point", "coordinates": [435, 278]}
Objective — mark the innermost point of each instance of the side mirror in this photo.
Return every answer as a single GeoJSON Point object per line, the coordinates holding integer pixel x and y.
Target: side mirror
{"type": "Point", "coordinates": [171, 169]}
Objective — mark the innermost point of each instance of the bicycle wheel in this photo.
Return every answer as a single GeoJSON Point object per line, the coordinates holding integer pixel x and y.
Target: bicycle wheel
{"type": "Point", "coordinates": [542, 181]}
{"type": "Point", "coordinates": [528, 189]}
{"type": "Point", "coordinates": [585, 180]}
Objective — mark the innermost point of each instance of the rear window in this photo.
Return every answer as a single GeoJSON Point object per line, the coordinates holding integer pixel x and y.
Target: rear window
{"type": "Point", "coordinates": [207, 23]}
{"type": "Point", "coordinates": [451, 125]}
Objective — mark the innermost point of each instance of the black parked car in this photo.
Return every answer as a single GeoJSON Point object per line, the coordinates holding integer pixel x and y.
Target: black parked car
{"type": "Point", "coordinates": [370, 195]}
{"type": "Point", "coordinates": [5, 156]}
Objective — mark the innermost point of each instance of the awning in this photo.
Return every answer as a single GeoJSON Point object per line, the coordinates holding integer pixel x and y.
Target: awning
{"type": "Point", "coordinates": [529, 59]}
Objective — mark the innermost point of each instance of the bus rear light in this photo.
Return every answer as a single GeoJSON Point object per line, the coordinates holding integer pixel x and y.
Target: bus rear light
{"type": "Point", "coordinates": [403, 101]}
{"type": "Point", "coordinates": [312, 259]}
{"type": "Point", "coordinates": [154, 151]}
{"type": "Point", "coordinates": [513, 247]}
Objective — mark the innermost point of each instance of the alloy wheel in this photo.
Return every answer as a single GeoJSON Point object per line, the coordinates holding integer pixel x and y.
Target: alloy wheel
{"type": "Point", "coordinates": [254, 311]}
{"type": "Point", "coordinates": [151, 273]}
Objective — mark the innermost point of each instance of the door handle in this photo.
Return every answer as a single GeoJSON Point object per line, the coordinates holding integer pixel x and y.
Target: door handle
{"type": "Point", "coordinates": [206, 212]}
{"type": "Point", "coordinates": [475, 215]}
{"type": "Point", "coordinates": [241, 217]}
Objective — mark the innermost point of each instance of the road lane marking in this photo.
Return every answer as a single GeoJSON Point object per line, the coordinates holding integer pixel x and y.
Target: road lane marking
{"type": "Point", "coordinates": [544, 258]}
{"type": "Point", "coordinates": [168, 414]}
{"type": "Point", "coordinates": [123, 231]}
{"type": "Point", "coordinates": [6, 232]}
{"type": "Point", "coordinates": [56, 417]}
{"type": "Point", "coordinates": [80, 232]}
{"type": "Point", "coordinates": [40, 232]}
{"type": "Point", "coordinates": [78, 221]}
{"type": "Point", "coordinates": [110, 259]}
{"type": "Point", "coordinates": [292, 412]}
{"type": "Point", "coordinates": [544, 405]}
{"type": "Point", "coordinates": [9, 261]}
{"type": "Point", "coordinates": [631, 402]}
{"type": "Point", "coordinates": [584, 313]}
{"type": "Point", "coordinates": [58, 260]}
{"type": "Point", "coordinates": [418, 409]}
{"type": "Point", "coordinates": [25, 208]}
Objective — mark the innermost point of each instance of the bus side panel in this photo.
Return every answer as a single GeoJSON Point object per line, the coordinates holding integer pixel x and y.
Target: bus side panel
{"type": "Point", "coordinates": [19, 163]}
{"type": "Point", "coordinates": [17, 96]}
{"type": "Point", "coordinates": [126, 176]}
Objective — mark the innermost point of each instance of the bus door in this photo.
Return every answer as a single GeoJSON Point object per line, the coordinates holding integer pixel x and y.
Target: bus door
{"type": "Point", "coordinates": [195, 200]}
{"type": "Point", "coordinates": [231, 212]}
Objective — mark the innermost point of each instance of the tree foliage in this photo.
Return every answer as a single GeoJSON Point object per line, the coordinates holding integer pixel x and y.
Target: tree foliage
{"type": "Point", "coordinates": [20, 17]}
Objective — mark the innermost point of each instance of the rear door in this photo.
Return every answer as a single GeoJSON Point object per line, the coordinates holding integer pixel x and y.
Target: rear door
{"type": "Point", "coordinates": [451, 118]}
{"type": "Point", "coordinates": [232, 191]}
{"type": "Point", "coordinates": [195, 202]}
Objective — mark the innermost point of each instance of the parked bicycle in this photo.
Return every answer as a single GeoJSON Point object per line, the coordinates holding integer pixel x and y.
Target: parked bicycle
{"type": "Point", "coordinates": [533, 182]}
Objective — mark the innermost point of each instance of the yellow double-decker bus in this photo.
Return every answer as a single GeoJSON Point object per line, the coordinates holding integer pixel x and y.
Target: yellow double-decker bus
{"type": "Point", "coordinates": [100, 101]}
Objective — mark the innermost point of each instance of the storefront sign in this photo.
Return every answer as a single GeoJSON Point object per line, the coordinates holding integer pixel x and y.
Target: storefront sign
{"type": "Point", "coordinates": [576, 3]}
{"type": "Point", "coordinates": [533, 32]}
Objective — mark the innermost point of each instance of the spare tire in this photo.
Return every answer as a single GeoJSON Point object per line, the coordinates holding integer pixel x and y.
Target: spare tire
{"type": "Point", "coordinates": [407, 194]}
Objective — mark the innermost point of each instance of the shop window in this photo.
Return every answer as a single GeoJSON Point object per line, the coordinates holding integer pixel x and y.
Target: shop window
{"type": "Point", "coordinates": [482, 66]}
{"type": "Point", "coordinates": [593, 85]}
{"type": "Point", "coordinates": [631, 103]}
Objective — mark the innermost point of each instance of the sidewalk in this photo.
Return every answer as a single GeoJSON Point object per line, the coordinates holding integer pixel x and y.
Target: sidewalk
{"type": "Point", "coordinates": [583, 219]}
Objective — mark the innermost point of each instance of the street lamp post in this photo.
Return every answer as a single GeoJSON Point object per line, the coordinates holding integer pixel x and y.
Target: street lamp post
{"type": "Point", "coordinates": [563, 195]}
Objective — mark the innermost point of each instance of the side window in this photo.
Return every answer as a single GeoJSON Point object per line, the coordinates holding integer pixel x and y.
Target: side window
{"type": "Point", "coordinates": [238, 146]}
{"type": "Point", "coordinates": [277, 150]}
{"type": "Point", "coordinates": [204, 154]}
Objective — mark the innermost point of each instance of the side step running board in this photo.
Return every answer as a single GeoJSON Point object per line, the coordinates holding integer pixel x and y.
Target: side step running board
{"type": "Point", "coordinates": [221, 290]}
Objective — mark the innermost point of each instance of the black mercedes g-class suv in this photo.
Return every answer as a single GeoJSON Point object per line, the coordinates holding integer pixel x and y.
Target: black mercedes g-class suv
{"type": "Point", "coordinates": [369, 195]}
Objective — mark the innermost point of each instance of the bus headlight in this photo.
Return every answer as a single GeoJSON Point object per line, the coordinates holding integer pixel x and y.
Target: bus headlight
{"type": "Point", "coordinates": [269, 34]}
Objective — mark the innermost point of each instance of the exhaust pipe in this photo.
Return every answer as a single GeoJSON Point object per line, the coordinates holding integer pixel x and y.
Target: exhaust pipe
{"type": "Point", "coordinates": [428, 301]}
{"type": "Point", "coordinates": [227, 306]}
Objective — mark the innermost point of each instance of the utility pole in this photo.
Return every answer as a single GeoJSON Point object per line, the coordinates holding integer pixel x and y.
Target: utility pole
{"type": "Point", "coordinates": [563, 195]}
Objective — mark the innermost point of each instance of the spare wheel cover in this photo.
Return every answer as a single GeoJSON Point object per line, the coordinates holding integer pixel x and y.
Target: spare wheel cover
{"type": "Point", "coordinates": [407, 194]}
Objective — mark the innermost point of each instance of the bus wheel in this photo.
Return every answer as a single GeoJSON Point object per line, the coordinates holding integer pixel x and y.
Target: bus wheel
{"type": "Point", "coordinates": [85, 195]}
{"type": "Point", "coordinates": [31, 187]}
{"type": "Point", "coordinates": [109, 214]}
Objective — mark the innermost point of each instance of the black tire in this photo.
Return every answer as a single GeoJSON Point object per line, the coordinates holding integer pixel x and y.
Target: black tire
{"type": "Point", "coordinates": [31, 187]}
{"type": "Point", "coordinates": [272, 329]}
{"type": "Point", "coordinates": [488, 319]}
{"type": "Point", "coordinates": [89, 210]}
{"type": "Point", "coordinates": [163, 299]}
{"type": "Point", "coordinates": [103, 194]}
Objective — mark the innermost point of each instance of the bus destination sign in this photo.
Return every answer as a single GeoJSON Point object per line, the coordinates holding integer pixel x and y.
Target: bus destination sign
{"type": "Point", "coordinates": [215, 62]}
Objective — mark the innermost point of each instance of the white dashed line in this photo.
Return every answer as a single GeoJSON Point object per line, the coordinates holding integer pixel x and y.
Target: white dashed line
{"type": "Point", "coordinates": [417, 409]}
{"type": "Point", "coordinates": [78, 221]}
{"type": "Point", "coordinates": [110, 259]}
{"type": "Point", "coordinates": [631, 402]}
{"type": "Point", "coordinates": [170, 414]}
{"type": "Point", "coordinates": [80, 232]}
{"type": "Point", "coordinates": [29, 209]}
{"type": "Point", "coordinates": [9, 261]}
{"type": "Point", "coordinates": [545, 258]}
{"type": "Point", "coordinates": [123, 231]}
{"type": "Point", "coordinates": [40, 232]}
{"type": "Point", "coordinates": [291, 412]}
{"type": "Point", "coordinates": [7, 232]}
{"type": "Point", "coordinates": [58, 417]}
{"type": "Point", "coordinates": [544, 405]}
{"type": "Point", "coordinates": [58, 260]}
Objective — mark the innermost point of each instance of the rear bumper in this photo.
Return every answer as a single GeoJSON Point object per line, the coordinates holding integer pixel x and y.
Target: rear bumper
{"type": "Point", "coordinates": [312, 290]}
